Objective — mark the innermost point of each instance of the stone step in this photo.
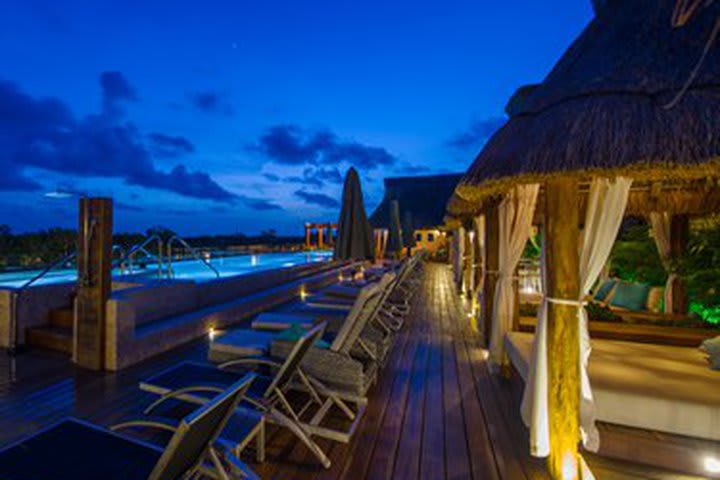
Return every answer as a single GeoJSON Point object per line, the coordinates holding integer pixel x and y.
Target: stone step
{"type": "Point", "coordinates": [52, 337]}
{"type": "Point", "coordinates": [61, 317]}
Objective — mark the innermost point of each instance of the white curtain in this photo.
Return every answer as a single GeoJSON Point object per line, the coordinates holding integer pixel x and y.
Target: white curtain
{"type": "Point", "coordinates": [660, 223]}
{"type": "Point", "coordinates": [515, 215]}
{"type": "Point", "coordinates": [606, 206]}
{"type": "Point", "coordinates": [459, 243]}
{"type": "Point", "coordinates": [469, 286]}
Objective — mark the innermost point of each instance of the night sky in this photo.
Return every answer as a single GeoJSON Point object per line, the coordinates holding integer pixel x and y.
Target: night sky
{"type": "Point", "coordinates": [239, 116]}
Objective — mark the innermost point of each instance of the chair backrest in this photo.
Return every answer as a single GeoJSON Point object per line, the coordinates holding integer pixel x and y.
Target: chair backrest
{"type": "Point", "coordinates": [292, 361]}
{"type": "Point", "coordinates": [197, 432]}
{"type": "Point", "coordinates": [361, 307]}
{"type": "Point", "coordinates": [373, 305]}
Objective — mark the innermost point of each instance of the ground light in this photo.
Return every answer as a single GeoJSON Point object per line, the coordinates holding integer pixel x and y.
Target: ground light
{"type": "Point", "coordinates": [303, 293]}
{"type": "Point", "coordinates": [212, 333]}
{"type": "Point", "coordinates": [712, 465]}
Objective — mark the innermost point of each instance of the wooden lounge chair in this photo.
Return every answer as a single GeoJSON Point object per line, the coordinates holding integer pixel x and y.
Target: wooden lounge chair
{"type": "Point", "coordinates": [78, 450]}
{"type": "Point", "coordinates": [190, 382]}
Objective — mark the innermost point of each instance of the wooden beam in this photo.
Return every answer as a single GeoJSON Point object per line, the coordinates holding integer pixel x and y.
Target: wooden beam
{"type": "Point", "coordinates": [492, 259]}
{"type": "Point", "coordinates": [94, 281]}
{"type": "Point", "coordinates": [561, 254]}
{"type": "Point", "coordinates": [679, 235]}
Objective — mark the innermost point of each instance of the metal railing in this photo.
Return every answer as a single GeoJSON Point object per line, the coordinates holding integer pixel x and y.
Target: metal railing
{"type": "Point", "coordinates": [17, 294]}
{"type": "Point", "coordinates": [193, 251]}
{"type": "Point", "coordinates": [141, 248]}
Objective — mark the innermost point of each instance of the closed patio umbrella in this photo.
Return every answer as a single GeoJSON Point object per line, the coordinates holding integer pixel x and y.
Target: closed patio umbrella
{"type": "Point", "coordinates": [395, 243]}
{"type": "Point", "coordinates": [408, 232]}
{"type": "Point", "coordinates": [354, 234]}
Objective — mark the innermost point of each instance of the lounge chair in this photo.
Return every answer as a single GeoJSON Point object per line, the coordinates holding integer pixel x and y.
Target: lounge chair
{"type": "Point", "coordinates": [190, 382]}
{"type": "Point", "coordinates": [78, 450]}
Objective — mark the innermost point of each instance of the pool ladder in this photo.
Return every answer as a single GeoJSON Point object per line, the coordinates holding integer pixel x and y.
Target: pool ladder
{"type": "Point", "coordinates": [193, 251]}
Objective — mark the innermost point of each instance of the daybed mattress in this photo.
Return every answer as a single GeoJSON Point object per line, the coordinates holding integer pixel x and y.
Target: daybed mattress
{"type": "Point", "coordinates": [653, 387]}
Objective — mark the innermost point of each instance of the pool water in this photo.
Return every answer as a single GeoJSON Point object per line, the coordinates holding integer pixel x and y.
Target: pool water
{"type": "Point", "coordinates": [186, 269]}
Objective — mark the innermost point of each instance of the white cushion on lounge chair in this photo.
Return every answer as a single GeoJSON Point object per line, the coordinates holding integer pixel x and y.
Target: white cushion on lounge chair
{"type": "Point", "coordinates": [281, 321]}
{"type": "Point", "coordinates": [242, 343]}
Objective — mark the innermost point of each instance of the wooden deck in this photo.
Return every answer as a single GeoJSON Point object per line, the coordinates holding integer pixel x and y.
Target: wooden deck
{"type": "Point", "coordinates": [435, 413]}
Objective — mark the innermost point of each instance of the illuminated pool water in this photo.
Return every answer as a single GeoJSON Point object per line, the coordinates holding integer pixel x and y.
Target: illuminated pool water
{"type": "Point", "coordinates": [187, 269]}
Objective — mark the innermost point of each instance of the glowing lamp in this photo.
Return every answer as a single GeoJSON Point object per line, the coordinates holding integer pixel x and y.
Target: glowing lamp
{"type": "Point", "coordinates": [212, 333]}
{"type": "Point", "coordinates": [303, 294]}
{"type": "Point", "coordinates": [569, 467]}
{"type": "Point", "coordinates": [712, 465]}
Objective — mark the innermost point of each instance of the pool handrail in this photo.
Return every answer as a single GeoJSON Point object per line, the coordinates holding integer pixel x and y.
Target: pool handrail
{"type": "Point", "coordinates": [17, 293]}
{"type": "Point", "coordinates": [140, 247]}
{"type": "Point", "coordinates": [193, 251]}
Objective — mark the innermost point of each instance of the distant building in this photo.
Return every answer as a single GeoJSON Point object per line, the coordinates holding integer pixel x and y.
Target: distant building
{"type": "Point", "coordinates": [422, 200]}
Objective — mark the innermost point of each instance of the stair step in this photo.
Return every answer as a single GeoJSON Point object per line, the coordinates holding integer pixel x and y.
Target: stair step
{"type": "Point", "coordinates": [52, 337]}
{"type": "Point", "coordinates": [62, 317]}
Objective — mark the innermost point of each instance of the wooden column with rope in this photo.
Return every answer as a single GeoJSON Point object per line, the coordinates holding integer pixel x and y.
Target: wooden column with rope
{"type": "Point", "coordinates": [561, 255]}
{"type": "Point", "coordinates": [679, 235]}
{"type": "Point", "coordinates": [94, 262]}
{"type": "Point", "coordinates": [492, 259]}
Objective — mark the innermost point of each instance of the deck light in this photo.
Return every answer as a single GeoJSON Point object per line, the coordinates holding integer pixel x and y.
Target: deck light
{"type": "Point", "coordinates": [212, 333]}
{"type": "Point", "coordinates": [569, 467]}
{"type": "Point", "coordinates": [303, 293]}
{"type": "Point", "coordinates": [712, 465]}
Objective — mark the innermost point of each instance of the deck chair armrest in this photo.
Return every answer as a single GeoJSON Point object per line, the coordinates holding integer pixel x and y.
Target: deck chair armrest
{"type": "Point", "coordinates": [180, 392]}
{"type": "Point", "coordinates": [264, 361]}
{"type": "Point", "coordinates": [154, 423]}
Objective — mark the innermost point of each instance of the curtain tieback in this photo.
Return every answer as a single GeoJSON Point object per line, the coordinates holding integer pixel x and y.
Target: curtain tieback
{"type": "Point", "coordinates": [566, 302]}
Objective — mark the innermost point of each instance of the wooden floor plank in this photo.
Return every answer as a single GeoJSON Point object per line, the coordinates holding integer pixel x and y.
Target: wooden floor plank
{"type": "Point", "coordinates": [407, 459]}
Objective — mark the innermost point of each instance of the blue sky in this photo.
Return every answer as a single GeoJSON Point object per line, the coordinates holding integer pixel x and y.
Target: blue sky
{"type": "Point", "coordinates": [239, 116]}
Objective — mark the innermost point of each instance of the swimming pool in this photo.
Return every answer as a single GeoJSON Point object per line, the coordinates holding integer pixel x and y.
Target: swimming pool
{"type": "Point", "coordinates": [186, 269]}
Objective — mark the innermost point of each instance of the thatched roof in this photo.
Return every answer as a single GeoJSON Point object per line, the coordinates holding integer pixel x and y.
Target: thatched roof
{"type": "Point", "coordinates": [603, 109]}
{"type": "Point", "coordinates": [422, 198]}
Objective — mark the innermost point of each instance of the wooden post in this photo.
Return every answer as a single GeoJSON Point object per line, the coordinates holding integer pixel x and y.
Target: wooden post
{"type": "Point", "coordinates": [492, 245]}
{"type": "Point", "coordinates": [561, 254]}
{"type": "Point", "coordinates": [321, 244]}
{"type": "Point", "coordinates": [478, 270]}
{"type": "Point", "coordinates": [94, 262]}
{"type": "Point", "coordinates": [308, 242]}
{"type": "Point", "coordinates": [679, 235]}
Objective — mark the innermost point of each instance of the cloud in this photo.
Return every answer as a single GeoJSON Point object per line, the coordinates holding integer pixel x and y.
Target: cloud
{"type": "Point", "coordinates": [209, 101]}
{"type": "Point", "coordinates": [260, 204]}
{"type": "Point", "coordinates": [315, 177]}
{"type": "Point", "coordinates": [44, 134]}
{"type": "Point", "coordinates": [319, 199]}
{"type": "Point", "coordinates": [128, 207]}
{"type": "Point", "coordinates": [115, 89]}
{"type": "Point", "coordinates": [290, 145]}
{"type": "Point", "coordinates": [478, 133]}
{"type": "Point", "coordinates": [169, 146]}
{"type": "Point", "coordinates": [410, 169]}
{"type": "Point", "coordinates": [331, 175]}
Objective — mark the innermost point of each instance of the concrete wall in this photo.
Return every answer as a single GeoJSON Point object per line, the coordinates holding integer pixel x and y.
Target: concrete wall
{"type": "Point", "coordinates": [34, 305]}
{"type": "Point", "coordinates": [131, 337]}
